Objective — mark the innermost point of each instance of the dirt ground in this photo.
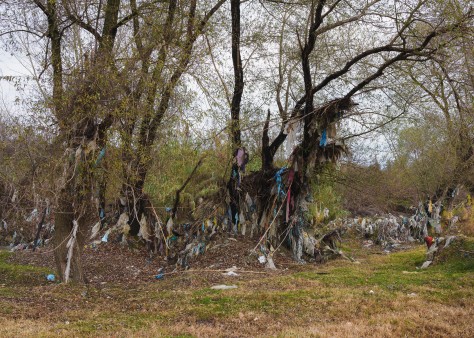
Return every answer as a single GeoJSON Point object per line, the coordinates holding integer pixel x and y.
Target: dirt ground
{"type": "Point", "coordinates": [378, 295]}
{"type": "Point", "coordinates": [109, 262]}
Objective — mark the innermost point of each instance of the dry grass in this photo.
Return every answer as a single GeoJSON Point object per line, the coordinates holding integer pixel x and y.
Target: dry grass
{"type": "Point", "coordinates": [383, 296]}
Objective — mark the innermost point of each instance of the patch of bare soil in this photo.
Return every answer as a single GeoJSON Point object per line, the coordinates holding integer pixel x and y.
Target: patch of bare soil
{"type": "Point", "coordinates": [115, 263]}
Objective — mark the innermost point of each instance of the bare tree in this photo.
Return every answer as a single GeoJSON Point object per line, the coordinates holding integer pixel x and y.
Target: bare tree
{"type": "Point", "coordinates": [411, 40]}
{"type": "Point", "coordinates": [158, 80]}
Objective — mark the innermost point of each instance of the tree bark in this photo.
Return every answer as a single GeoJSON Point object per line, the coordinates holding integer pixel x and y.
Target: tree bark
{"type": "Point", "coordinates": [236, 138]}
{"type": "Point", "coordinates": [238, 75]}
{"type": "Point", "coordinates": [267, 157]}
{"type": "Point", "coordinates": [63, 224]}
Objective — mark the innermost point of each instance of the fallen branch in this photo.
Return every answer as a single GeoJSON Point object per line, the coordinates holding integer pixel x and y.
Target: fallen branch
{"type": "Point", "coordinates": [340, 253]}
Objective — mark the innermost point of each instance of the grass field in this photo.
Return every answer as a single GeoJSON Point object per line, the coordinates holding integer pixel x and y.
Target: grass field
{"type": "Point", "coordinates": [380, 295]}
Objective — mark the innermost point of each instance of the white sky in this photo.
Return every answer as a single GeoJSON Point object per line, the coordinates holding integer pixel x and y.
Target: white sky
{"type": "Point", "coordinates": [9, 66]}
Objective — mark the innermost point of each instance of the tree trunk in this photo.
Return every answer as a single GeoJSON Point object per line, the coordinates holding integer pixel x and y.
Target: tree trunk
{"type": "Point", "coordinates": [132, 191]}
{"type": "Point", "coordinates": [267, 156]}
{"type": "Point", "coordinates": [63, 225]}
{"type": "Point", "coordinates": [235, 174]}
{"type": "Point", "coordinates": [78, 126]}
{"type": "Point", "coordinates": [238, 75]}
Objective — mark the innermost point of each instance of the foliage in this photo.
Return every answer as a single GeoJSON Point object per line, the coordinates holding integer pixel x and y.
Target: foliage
{"type": "Point", "coordinates": [325, 196]}
{"type": "Point", "coordinates": [174, 162]}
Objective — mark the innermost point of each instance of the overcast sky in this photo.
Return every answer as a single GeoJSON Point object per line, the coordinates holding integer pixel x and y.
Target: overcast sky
{"type": "Point", "coordinates": [9, 66]}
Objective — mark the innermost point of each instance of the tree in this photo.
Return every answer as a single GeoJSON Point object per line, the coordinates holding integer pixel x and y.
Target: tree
{"type": "Point", "coordinates": [158, 79]}
{"type": "Point", "coordinates": [82, 130]}
{"type": "Point", "coordinates": [83, 103]}
{"type": "Point", "coordinates": [410, 40]}
{"type": "Point", "coordinates": [442, 104]}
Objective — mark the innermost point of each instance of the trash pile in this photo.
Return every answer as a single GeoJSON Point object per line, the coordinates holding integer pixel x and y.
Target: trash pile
{"type": "Point", "coordinates": [390, 231]}
{"type": "Point", "coordinates": [29, 231]}
{"type": "Point", "coordinates": [180, 243]}
{"type": "Point", "coordinates": [177, 242]}
{"type": "Point", "coordinates": [284, 218]}
{"type": "Point", "coordinates": [434, 247]}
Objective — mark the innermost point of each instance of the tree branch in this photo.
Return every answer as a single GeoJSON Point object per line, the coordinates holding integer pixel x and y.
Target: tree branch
{"type": "Point", "coordinates": [178, 192]}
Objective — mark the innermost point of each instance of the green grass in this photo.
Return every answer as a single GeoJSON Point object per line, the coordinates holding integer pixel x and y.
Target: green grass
{"type": "Point", "coordinates": [397, 272]}
{"type": "Point", "coordinates": [12, 274]}
{"type": "Point", "coordinates": [342, 293]}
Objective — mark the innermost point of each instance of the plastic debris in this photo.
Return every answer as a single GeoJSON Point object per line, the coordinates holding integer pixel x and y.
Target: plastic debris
{"type": "Point", "coordinates": [70, 246]}
{"type": "Point", "coordinates": [231, 273]}
{"type": "Point", "coordinates": [144, 231]}
{"type": "Point", "coordinates": [449, 240]}
{"type": "Point", "coordinates": [262, 259]}
{"type": "Point", "coordinates": [270, 264]}
{"type": "Point", "coordinates": [411, 294]}
{"type": "Point", "coordinates": [368, 243]}
{"type": "Point", "coordinates": [326, 213]}
{"type": "Point", "coordinates": [32, 216]}
{"type": "Point", "coordinates": [100, 157]}
{"type": "Point", "coordinates": [122, 223]}
{"type": "Point", "coordinates": [18, 247]}
{"type": "Point", "coordinates": [95, 230]}
{"type": "Point", "coordinates": [169, 225]}
{"type": "Point", "coordinates": [371, 292]}
{"type": "Point", "coordinates": [51, 277]}
{"type": "Point", "coordinates": [309, 244]}
{"type": "Point", "coordinates": [160, 276]}
{"type": "Point", "coordinates": [323, 141]}
{"type": "Point", "coordinates": [105, 238]}
{"type": "Point", "coordinates": [122, 200]}
{"type": "Point", "coordinates": [223, 287]}
{"type": "Point", "coordinates": [233, 269]}
{"type": "Point", "coordinates": [278, 180]}
{"type": "Point", "coordinates": [436, 224]}
{"type": "Point", "coordinates": [454, 220]}
{"type": "Point", "coordinates": [426, 264]}
{"type": "Point", "coordinates": [432, 251]}
{"type": "Point", "coordinates": [292, 128]}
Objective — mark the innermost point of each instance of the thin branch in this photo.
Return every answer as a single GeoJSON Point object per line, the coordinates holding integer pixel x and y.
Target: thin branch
{"type": "Point", "coordinates": [221, 80]}
{"type": "Point", "coordinates": [23, 31]}
{"type": "Point", "coordinates": [86, 26]}
{"type": "Point", "coordinates": [178, 192]}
